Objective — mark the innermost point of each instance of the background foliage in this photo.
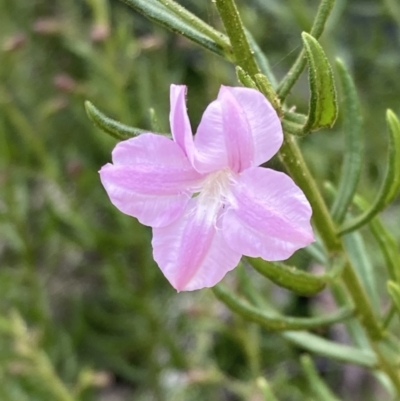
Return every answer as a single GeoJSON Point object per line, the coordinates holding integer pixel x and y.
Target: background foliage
{"type": "Point", "coordinates": [85, 313]}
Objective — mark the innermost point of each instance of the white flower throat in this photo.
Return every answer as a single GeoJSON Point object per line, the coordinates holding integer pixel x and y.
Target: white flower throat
{"type": "Point", "coordinates": [215, 193]}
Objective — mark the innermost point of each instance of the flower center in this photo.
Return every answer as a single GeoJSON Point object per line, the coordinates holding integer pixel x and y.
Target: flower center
{"type": "Point", "coordinates": [215, 193]}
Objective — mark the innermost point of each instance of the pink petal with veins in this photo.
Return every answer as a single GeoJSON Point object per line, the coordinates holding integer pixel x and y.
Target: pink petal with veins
{"type": "Point", "coordinates": [270, 217]}
{"type": "Point", "coordinates": [151, 179]}
{"type": "Point", "coordinates": [179, 120]}
{"type": "Point", "coordinates": [264, 124]}
{"type": "Point", "coordinates": [191, 252]}
{"type": "Point", "coordinates": [238, 130]}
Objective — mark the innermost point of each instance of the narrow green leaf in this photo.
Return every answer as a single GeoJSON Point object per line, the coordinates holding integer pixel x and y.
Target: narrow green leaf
{"type": "Point", "coordinates": [324, 10]}
{"type": "Point", "coordinates": [293, 128]}
{"type": "Point", "coordinates": [394, 292]}
{"type": "Point", "coordinates": [308, 341]}
{"type": "Point", "coordinates": [273, 322]}
{"type": "Point", "coordinates": [318, 387]}
{"type": "Point", "coordinates": [161, 15]}
{"type": "Point", "coordinates": [386, 241]}
{"type": "Point", "coordinates": [320, 346]}
{"type": "Point", "coordinates": [196, 22]}
{"type": "Point", "coordinates": [394, 155]}
{"type": "Point", "coordinates": [393, 8]}
{"type": "Point", "coordinates": [391, 183]}
{"type": "Point", "coordinates": [323, 106]}
{"type": "Point", "coordinates": [293, 123]}
{"type": "Point", "coordinates": [354, 328]}
{"type": "Point", "coordinates": [154, 122]}
{"type": "Point", "coordinates": [297, 118]}
{"type": "Point", "coordinates": [266, 389]}
{"type": "Point", "coordinates": [360, 260]}
{"type": "Point", "coordinates": [289, 277]}
{"type": "Point", "coordinates": [110, 126]}
{"type": "Point", "coordinates": [354, 145]}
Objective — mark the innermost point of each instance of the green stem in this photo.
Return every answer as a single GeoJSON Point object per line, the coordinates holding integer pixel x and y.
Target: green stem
{"type": "Point", "coordinates": [293, 160]}
{"type": "Point", "coordinates": [317, 28]}
{"type": "Point", "coordinates": [295, 164]}
{"type": "Point", "coordinates": [234, 27]}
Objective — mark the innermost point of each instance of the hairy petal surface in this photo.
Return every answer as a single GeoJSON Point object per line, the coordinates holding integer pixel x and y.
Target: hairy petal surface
{"type": "Point", "coordinates": [270, 217]}
{"type": "Point", "coordinates": [192, 252]}
{"type": "Point", "coordinates": [150, 179]}
{"type": "Point", "coordinates": [179, 120]}
{"type": "Point", "coordinates": [264, 124]}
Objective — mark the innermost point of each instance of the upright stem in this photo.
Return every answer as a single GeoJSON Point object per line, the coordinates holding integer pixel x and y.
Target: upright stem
{"type": "Point", "coordinates": [234, 27]}
{"type": "Point", "coordinates": [293, 160]}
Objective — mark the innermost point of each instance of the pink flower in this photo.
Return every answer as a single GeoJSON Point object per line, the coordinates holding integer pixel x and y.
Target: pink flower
{"type": "Point", "coordinates": [206, 198]}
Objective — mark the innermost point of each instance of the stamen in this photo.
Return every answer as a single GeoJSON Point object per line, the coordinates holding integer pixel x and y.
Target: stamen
{"type": "Point", "coordinates": [214, 194]}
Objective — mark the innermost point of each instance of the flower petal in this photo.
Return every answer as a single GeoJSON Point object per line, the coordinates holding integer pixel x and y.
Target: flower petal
{"type": "Point", "coordinates": [223, 138]}
{"type": "Point", "coordinates": [239, 130]}
{"type": "Point", "coordinates": [191, 252]}
{"type": "Point", "coordinates": [264, 124]}
{"type": "Point", "coordinates": [151, 179]}
{"type": "Point", "coordinates": [270, 216]}
{"type": "Point", "coordinates": [179, 120]}
{"type": "Point", "coordinates": [209, 141]}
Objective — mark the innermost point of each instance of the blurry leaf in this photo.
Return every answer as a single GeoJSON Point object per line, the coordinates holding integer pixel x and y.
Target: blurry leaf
{"type": "Point", "coordinates": [393, 7]}
{"type": "Point", "coordinates": [154, 122]}
{"type": "Point", "coordinates": [161, 15]}
{"type": "Point", "coordinates": [274, 322]}
{"type": "Point", "coordinates": [339, 352]}
{"type": "Point", "coordinates": [354, 145]}
{"type": "Point", "coordinates": [318, 387]}
{"type": "Point", "coordinates": [391, 183]}
{"type": "Point", "coordinates": [261, 59]}
{"type": "Point", "coordinates": [109, 126]}
{"type": "Point", "coordinates": [358, 254]}
{"type": "Point", "coordinates": [266, 389]}
{"type": "Point", "coordinates": [394, 292]}
{"type": "Point", "coordinates": [289, 277]}
{"type": "Point", "coordinates": [323, 105]}
{"type": "Point", "coordinates": [386, 241]}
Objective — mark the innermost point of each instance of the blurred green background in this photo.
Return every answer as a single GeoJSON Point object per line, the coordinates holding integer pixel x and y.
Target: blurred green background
{"type": "Point", "coordinates": [85, 314]}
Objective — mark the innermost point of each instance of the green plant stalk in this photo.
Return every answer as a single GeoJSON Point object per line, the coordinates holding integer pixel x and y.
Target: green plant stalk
{"type": "Point", "coordinates": [266, 389]}
{"type": "Point", "coordinates": [294, 73]}
{"type": "Point", "coordinates": [293, 160]}
{"type": "Point", "coordinates": [244, 56]}
{"type": "Point", "coordinates": [318, 387]}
